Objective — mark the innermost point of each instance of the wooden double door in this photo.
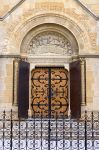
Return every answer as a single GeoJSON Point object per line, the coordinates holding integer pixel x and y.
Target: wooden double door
{"type": "Point", "coordinates": [49, 92]}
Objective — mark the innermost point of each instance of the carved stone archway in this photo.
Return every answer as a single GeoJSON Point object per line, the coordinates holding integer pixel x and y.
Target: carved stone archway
{"type": "Point", "coordinates": [49, 39]}
{"type": "Point", "coordinates": [77, 30]}
{"type": "Point", "coordinates": [49, 44]}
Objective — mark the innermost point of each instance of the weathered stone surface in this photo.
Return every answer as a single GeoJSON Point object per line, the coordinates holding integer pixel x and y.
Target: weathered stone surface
{"type": "Point", "coordinates": [70, 9]}
{"type": "Point", "coordinates": [68, 14]}
{"type": "Point", "coordinates": [7, 5]}
{"type": "Point", "coordinates": [49, 42]}
{"type": "Point", "coordinates": [6, 80]}
{"type": "Point", "coordinates": [93, 5]}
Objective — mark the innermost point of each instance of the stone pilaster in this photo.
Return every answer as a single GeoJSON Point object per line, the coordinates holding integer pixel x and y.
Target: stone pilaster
{"type": "Point", "coordinates": [15, 90]}
{"type": "Point", "coordinates": [83, 86]}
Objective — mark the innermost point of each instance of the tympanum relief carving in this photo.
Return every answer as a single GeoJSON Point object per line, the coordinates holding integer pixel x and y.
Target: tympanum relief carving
{"type": "Point", "coordinates": [49, 43]}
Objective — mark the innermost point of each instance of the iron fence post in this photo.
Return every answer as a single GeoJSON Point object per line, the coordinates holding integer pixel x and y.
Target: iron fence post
{"type": "Point", "coordinates": [26, 134]}
{"type": "Point", "coordinates": [56, 131]}
{"type": "Point", "coordinates": [34, 133]}
{"type": "Point", "coordinates": [3, 128]}
{"type": "Point", "coordinates": [41, 130]}
{"type": "Point", "coordinates": [92, 129]}
{"type": "Point", "coordinates": [63, 133]}
{"type": "Point", "coordinates": [85, 130]}
{"type": "Point", "coordinates": [78, 133]}
{"type": "Point", "coordinates": [11, 131]}
{"type": "Point", "coordinates": [19, 134]}
{"type": "Point", "coordinates": [70, 132]}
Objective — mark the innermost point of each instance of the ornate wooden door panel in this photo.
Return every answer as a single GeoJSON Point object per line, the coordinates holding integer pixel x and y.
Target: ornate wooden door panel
{"type": "Point", "coordinates": [39, 92]}
{"type": "Point", "coordinates": [59, 87]}
{"type": "Point", "coordinates": [49, 92]}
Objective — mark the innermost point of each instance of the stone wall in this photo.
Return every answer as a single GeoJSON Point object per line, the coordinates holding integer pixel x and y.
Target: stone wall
{"type": "Point", "coordinates": [92, 83]}
{"type": "Point", "coordinates": [6, 82]}
{"type": "Point", "coordinates": [29, 9]}
{"type": "Point", "coordinates": [97, 39]}
{"type": "Point", "coordinates": [28, 14]}
{"type": "Point", "coordinates": [93, 5]}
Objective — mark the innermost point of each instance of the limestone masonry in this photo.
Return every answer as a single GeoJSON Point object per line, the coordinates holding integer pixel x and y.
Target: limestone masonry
{"type": "Point", "coordinates": [70, 25]}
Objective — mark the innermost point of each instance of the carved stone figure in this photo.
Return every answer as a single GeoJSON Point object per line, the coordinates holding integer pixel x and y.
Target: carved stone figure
{"type": "Point", "coordinates": [49, 42]}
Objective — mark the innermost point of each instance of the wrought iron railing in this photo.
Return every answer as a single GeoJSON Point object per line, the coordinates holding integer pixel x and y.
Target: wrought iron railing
{"type": "Point", "coordinates": [49, 134]}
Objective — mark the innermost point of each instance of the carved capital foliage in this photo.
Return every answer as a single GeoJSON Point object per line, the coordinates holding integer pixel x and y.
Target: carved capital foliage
{"type": "Point", "coordinates": [82, 60]}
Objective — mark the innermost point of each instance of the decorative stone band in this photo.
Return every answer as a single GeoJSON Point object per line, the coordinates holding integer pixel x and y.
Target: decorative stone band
{"type": "Point", "coordinates": [24, 57]}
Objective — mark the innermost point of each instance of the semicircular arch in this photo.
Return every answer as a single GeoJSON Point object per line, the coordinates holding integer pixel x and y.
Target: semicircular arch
{"type": "Point", "coordinates": [48, 18]}
{"type": "Point", "coordinates": [49, 39]}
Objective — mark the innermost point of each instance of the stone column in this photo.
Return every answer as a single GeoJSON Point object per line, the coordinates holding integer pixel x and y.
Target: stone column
{"type": "Point", "coordinates": [32, 66]}
{"type": "Point", "coordinates": [83, 87]}
{"type": "Point", "coordinates": [15, 69]}
{"type": "Point", "coordinates": [66, 66]}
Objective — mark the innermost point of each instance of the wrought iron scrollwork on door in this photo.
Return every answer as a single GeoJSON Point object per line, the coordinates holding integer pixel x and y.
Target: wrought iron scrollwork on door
{"type": "Point", "coordinates": [49, 92]}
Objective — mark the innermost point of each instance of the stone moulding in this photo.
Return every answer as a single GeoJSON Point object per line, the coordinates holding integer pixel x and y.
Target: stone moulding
{"type": "Point", "coordinates": [21, 1]}
{"type": "Point", "coordinates": [79, 33]}
{"type": "Point", "coordinates": [11, 10]}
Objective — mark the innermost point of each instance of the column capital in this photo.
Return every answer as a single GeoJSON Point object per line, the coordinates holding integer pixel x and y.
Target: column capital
{"type": "Point", "coordinates": [66, 66]}
{"type": "Point", "coordinates": [32, 66]}
{"type": "Point", "coordinates": [82, 60]}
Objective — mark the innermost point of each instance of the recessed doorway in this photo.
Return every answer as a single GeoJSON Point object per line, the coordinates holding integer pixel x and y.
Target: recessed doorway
{"type": "Point", "coordinates": [49, 92]}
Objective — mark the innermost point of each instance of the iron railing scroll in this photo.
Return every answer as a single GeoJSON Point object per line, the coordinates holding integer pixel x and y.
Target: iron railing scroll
{"type": "Point", "coordinates": [36, 133]}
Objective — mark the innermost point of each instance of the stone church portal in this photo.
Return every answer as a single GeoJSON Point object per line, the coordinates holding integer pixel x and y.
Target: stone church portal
{"type": "Point", "coordinates": [49, 35]}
